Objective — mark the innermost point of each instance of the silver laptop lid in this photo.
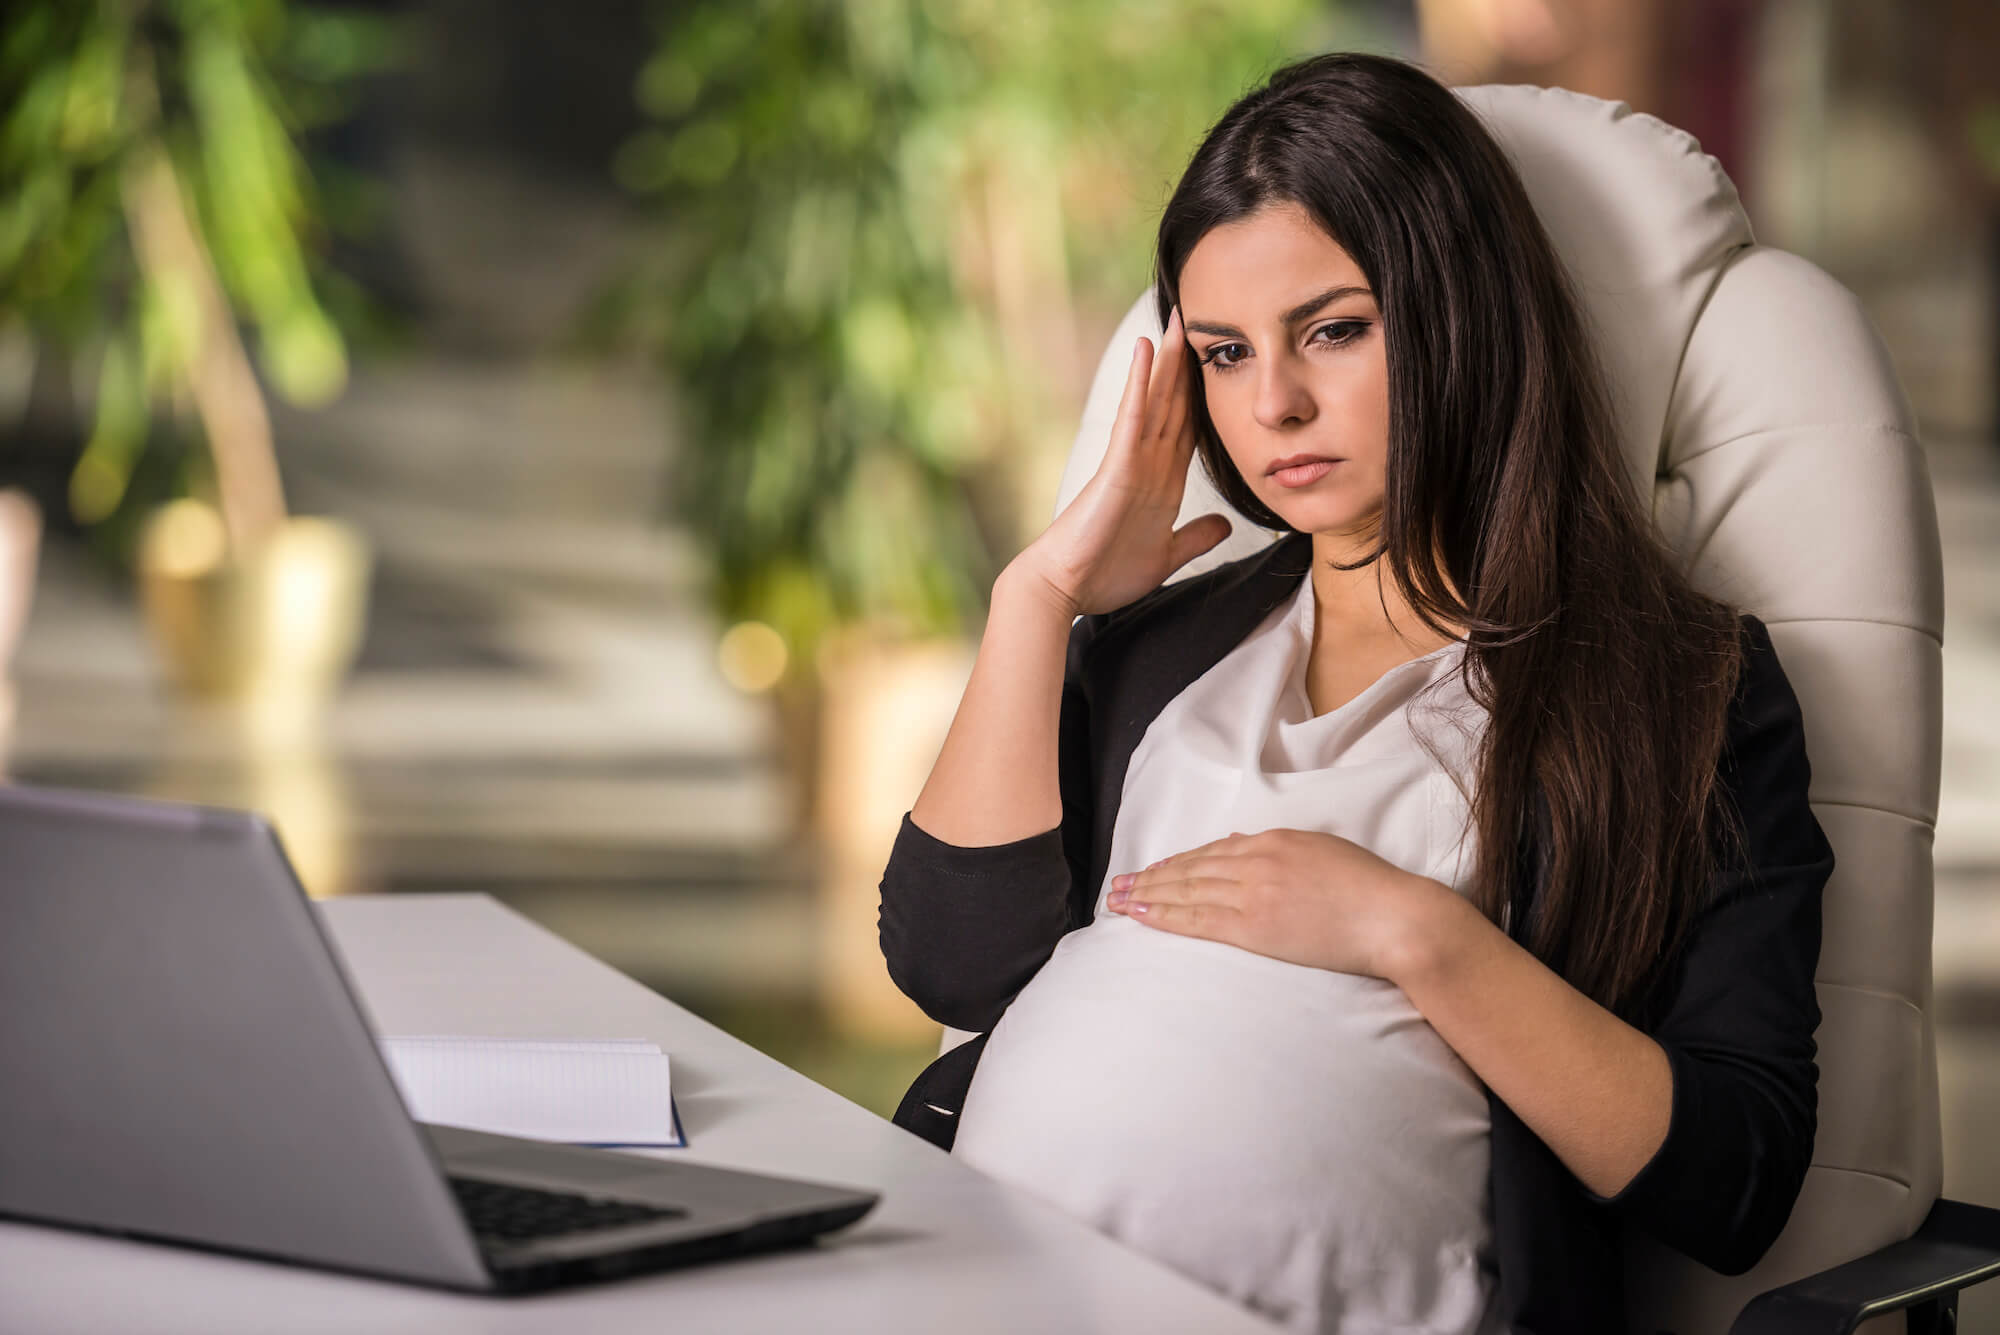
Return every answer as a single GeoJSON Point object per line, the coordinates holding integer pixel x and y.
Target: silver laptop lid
{"type": "Point", "coordinates": [181, 1055]}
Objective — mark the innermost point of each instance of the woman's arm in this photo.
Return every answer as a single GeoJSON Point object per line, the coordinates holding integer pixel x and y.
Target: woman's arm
{"type": "Point", "coordinates": [1598, 1091]}
{"type": "Point", "coordinates": [1702, 1132]}
{"type": "Point", "coordinates": [977, 889]}
{"type": "Point", "coordinates": [994, 780]}
{"type": "Point", "coordinates": [975, 897]}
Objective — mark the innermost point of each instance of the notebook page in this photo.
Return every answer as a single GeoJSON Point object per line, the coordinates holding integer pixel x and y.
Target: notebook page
{"type": "Point", "coordinates": [582, 1091]}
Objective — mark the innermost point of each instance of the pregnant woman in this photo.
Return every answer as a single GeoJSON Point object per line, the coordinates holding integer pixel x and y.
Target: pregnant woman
{"type": "Point", "coordinates": [1376, 927]}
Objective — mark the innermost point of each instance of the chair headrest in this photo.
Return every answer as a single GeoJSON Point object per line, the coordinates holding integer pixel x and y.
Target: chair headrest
{"type": "Point", "coordinates": [1645, 222]}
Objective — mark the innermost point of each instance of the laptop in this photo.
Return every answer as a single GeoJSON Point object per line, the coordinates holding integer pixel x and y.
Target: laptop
{"type": "Point", "coordinates": [182, 1059]}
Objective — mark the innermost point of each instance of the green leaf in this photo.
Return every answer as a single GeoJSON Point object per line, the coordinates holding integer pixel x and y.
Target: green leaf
{"type": "Point", "coordinates": [1983, 134]}
{"type": "Point", "coordinates": [169, 331]}
{"type": "Point", "coordinates": [667, 86]}
{"type": "Point", "coordinates": [305, 356]}
{"type": "Point", "coordinates": [104, 469]}
{"type": "Point", "coordinates": [90, 114]}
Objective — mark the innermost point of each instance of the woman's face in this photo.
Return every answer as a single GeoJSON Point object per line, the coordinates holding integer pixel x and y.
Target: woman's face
{"type": "Point", "coordinates": [1290, 343]}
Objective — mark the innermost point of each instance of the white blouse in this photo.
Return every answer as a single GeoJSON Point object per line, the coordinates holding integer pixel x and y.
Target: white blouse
{"type": "Point", "coordinates": [1299, 1139]}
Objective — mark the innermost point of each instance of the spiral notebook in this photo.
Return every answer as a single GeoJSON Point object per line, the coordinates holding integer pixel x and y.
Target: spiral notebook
{"type": "Point", "coordinates": [593, 1091]}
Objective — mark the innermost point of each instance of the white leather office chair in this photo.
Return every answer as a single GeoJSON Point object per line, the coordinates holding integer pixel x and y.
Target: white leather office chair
{"type": "Point", "coordinates": [1758, 407]}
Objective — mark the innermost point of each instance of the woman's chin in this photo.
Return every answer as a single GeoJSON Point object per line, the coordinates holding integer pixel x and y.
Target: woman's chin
{"type": "Point", "coordinates": [1313, 515]}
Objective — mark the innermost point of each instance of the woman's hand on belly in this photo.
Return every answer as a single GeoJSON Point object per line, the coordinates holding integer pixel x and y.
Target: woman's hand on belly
{"type": "Point", "coordinates": [1295, 895]}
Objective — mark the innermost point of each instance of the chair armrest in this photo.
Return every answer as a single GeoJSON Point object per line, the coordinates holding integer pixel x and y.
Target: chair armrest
{"type": "Point", "coordinates": [1957, 1247]}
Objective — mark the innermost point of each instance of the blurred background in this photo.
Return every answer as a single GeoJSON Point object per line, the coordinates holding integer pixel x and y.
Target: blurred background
{"type": "Point", "coordinates": [625, 407]}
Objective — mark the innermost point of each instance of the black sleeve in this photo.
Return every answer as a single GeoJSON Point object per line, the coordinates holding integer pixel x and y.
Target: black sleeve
{"type": "Point", "coordinates": [964, 929]}
{"type": "Point", "coordinates": [1738, 1028]}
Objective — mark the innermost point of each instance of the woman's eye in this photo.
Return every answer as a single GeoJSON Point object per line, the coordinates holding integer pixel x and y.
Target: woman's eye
{"type": "Point", "coordinates": [1223, 356]}
{"type": "Point", "coordinates": [1342, 330]}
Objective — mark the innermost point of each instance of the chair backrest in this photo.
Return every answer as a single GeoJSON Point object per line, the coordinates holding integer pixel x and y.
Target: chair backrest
{"type": "Point", "coordinates": [1759, 408]}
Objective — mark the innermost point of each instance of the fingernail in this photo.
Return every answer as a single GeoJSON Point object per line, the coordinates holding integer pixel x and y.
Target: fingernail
{"type": "Point", "coordinates": [1118, 897]}
{"type": "Point", "coordinates": [1122, 881]}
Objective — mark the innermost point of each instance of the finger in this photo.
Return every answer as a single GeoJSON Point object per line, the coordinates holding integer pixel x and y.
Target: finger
{"type": "Point", "coordinates": [1173, 430]}
{"type": "Point", "coordinates": [1174, 876]}
{"type": "Point", "coordinates": [1203, 888]}
{"type": "Point", "coordinates": [1175, 861]}
{"type": "Point", "coordinates": [1212, 845]}
{"type": "Point", "coordinates": [1179, 403]}
{"type": "Point", "coordinates": [1127, 879]}
{"type": "Point", "coordinates": [1196, 537]}
{"type": "Point", "coordinates": [1165, 374]}
{"type": "Point", "coordinates": [1215, 922]}
{"type": "Point", "coordinates": [1126, 426]}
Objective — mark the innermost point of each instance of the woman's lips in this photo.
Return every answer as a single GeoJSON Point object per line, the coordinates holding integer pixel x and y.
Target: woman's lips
{"type": "Point", "coordinates": [1302, 475]}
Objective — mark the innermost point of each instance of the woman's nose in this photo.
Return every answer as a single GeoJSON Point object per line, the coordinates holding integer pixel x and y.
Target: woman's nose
{"type": "Point", "coordinates": [1282, 398]}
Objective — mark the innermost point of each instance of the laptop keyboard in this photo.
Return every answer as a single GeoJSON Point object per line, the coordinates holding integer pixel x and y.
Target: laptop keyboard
{"type": "Point", "coordinates": [502, 1213]}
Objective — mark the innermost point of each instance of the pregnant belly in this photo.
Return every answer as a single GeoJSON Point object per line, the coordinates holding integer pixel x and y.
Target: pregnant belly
{"type": "Point", "coordinates": [1291, 1134]}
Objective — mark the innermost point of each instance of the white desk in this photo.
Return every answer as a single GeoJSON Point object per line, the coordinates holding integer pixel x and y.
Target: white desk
{"type": "Point", "coordinates": [946, 1249]}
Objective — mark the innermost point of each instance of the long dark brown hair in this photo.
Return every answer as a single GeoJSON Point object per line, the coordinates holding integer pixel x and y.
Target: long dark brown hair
{"type": "Point", "coordinates": [1607, 677]}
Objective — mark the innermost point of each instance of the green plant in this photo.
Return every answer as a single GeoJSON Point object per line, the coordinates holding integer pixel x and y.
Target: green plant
{"type": "Point", "coordinates": [151, 196]}
{"type": "Point", "coordinates": [895, 234]}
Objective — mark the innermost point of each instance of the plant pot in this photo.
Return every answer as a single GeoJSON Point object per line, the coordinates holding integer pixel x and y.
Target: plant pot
{"type": "Point", "coordinates": [886, 705]}
{"type": "Point", "coordinates": [272, 634]}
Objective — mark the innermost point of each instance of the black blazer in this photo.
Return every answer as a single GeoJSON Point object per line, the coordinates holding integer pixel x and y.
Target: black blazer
{"type": "Point", "coordinates": [964, 929]}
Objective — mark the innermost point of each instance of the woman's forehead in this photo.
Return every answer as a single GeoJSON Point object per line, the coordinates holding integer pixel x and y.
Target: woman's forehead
{"type": "Point", "coordinates": [1263, 266]}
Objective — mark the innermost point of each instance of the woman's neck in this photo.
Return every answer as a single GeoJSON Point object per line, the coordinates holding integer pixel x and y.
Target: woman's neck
{"type": "Point", "coordinates": [1349, 605]}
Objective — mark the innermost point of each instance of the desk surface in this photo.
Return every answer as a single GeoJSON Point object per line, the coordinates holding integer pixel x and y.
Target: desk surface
{"type": "Point", "coordinates": [945, 1248]}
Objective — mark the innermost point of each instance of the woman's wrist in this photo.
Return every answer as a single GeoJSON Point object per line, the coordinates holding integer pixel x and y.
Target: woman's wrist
{"type": "Point", "coordinates": [1021, 579]}
{"type": "Point", "coordinates": [1427, 930]}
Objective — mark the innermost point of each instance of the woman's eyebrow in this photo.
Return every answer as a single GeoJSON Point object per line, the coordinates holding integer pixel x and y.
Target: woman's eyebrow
{"type": "Point", "coordinates": [1303, 311]}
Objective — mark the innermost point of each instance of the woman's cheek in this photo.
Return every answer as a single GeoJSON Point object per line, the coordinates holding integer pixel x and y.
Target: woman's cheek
{"type": "Point", "coordinates": [1231, 422]}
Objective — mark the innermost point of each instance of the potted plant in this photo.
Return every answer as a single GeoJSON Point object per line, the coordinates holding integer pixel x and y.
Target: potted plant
{"type": "Point", "coordinates": [895, 237]}
{"type": "Point", "coordinates": [154, 201]}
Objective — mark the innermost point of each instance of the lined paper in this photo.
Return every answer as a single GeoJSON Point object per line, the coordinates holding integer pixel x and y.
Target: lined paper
{"type": "Point", "coordinates": [598, 1091]}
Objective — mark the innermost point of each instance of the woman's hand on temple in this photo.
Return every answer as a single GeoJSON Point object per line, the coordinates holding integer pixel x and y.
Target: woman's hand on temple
{"type": "Point", "coordinates": [1116, 541]}
{"type": "Point", "coordinates": [1295, 895]}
